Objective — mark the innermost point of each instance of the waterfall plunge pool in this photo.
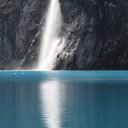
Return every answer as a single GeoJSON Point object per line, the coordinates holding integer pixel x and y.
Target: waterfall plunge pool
{"type": "Point", "coordinates": [72, 75]}
{"type": "Point", "coordinates": [63, 99]}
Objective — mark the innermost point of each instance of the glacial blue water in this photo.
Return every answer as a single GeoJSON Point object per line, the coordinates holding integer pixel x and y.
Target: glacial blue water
{"type": "Point", "coordinates": [64, 99]}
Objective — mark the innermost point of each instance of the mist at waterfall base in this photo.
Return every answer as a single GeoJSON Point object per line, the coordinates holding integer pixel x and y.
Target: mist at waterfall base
{"type": "Point", "coordinates": [51, 43]}
{"type": "Point", "coordinates": [66, 99]}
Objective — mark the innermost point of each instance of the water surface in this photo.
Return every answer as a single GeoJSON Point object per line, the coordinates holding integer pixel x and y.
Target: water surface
{"type": "Point", "coordinates": [73, 99]}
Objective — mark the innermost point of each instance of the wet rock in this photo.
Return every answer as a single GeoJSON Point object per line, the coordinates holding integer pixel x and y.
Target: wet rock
{"type": "Point", "coordinates": [20, 21]}
{"type": "Point", "coordinates": [97, 31]}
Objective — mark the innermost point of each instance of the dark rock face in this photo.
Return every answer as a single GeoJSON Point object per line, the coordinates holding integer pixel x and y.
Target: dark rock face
{"type": "Point", "coordinates": [20, 21]}
{"type": "Point", "coordinates": [95, 32]}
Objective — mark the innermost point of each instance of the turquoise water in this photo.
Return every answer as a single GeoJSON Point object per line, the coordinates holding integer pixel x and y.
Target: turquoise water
{"type": "Point", "coordinates": [65, 99]}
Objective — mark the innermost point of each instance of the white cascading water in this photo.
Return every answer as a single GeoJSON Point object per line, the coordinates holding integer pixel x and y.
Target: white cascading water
{"type": "Point", "coordinates": [50, 41]}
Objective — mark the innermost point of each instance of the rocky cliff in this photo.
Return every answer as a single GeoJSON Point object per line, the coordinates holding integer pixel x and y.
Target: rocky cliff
{"type": "Point", "coordinates": [20, 23]}
{"type": "Point", "coordinates": [95, 32]}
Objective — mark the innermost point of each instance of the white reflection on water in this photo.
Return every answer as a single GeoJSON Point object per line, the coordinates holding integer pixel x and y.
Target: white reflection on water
{"type": "Point", "coordinates": [51, 103]}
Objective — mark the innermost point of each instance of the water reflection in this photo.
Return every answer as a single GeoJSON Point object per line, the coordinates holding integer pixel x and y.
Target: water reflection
{"type": "Point", "coordinates": [19, 105]}
{"type": "Point", "coordinates": [67, 103]}
{"type": "Point", "coordinates": [52, 97]}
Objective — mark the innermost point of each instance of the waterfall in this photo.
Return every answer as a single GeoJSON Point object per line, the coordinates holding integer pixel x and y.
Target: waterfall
{"type": "Point", "coordinates": [50, 40]}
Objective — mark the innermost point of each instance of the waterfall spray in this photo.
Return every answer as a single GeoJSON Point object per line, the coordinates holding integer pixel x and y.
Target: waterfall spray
{"type": "Point", "coordinates": [50, 38]}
